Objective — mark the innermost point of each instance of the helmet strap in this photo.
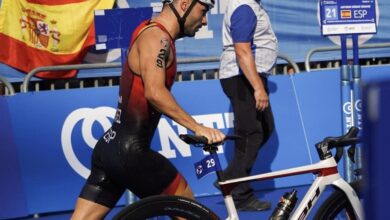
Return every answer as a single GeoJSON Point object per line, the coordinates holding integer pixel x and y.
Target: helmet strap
{"type": "Point", "coordinates": [182, 20]}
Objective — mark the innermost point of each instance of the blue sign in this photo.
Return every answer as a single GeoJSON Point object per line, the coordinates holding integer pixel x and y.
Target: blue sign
{"type": "Point", "coordinates": [114, 28]}
{"type": "Point", "coordinates": [207, 165]}
{"type": "Point", "coordinates": [347, 17]}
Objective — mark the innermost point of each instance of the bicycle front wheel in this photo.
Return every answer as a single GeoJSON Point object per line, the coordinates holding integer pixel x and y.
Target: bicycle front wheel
{"type": "Point", "coordinates": [165, 207]}
{"type": "Point", "coordinates": [337, 206]}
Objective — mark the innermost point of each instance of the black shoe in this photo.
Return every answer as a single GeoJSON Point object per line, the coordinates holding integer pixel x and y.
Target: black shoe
{"type": "Point", "coordinates": [253, 205]}
{"type": "Point", "coordinates": [216, 185]}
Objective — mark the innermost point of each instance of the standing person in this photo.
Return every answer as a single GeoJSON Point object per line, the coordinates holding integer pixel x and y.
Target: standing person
{"type": "Point", "coordinates": [249, 54]}
{"type": "Point", "coordinates": [122, 158]}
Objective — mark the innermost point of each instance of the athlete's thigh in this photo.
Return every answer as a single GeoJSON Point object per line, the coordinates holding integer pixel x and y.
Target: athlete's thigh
{"type": "Point", "coordinates": [148, 172]}
{"type": "Point", "coordinates": [101, 186]}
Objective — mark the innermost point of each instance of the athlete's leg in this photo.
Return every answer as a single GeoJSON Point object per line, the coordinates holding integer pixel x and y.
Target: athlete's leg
{"type": "Point", "coordinates": [100, 192]}
{"type": "Point", "coordinates": [179, 186]}
{"type": "Point", "coordinates": [87, 210]}
{"type": "Point", "coordinates": [184, 189]}
{"type": "Point", "coordinates": [148, 172]}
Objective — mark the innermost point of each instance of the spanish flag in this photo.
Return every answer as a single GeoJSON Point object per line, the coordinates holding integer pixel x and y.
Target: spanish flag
{"type": "Point", "coordinates": [36, 33]}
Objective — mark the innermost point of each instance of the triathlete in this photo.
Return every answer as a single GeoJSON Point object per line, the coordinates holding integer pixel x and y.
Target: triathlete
{"type": "Point", "coordinates": [122, 159]}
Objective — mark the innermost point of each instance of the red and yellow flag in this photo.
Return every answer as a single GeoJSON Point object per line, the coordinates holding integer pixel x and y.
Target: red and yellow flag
{"type": "Point", "coordinates": [36, 33]}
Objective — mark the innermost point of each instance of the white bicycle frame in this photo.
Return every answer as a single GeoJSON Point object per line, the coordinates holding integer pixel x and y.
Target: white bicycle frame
{"type": "Point", "coordinates": [326, 174]}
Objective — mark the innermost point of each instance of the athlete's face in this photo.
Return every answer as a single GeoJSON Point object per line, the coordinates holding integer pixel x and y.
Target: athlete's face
{"type": "Point", "coordinates": [196, 19]}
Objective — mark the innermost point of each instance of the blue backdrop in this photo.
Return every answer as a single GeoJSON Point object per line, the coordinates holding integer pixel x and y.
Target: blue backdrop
{"type": "Point", "coordinates": [46, 138]}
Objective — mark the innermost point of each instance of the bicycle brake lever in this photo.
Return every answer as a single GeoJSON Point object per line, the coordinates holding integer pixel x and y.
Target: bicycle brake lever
{"type": "Point", "coordinates": [351, 153]}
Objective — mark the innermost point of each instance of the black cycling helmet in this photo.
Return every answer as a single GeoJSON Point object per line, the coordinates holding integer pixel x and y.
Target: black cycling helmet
{"type": "Point", "coordinates": [208, 3]}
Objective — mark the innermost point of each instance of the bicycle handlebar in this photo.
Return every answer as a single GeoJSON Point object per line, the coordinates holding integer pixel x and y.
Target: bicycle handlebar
{"type": "Point", "coordinates": [348, 139]}
{"type": "Point", "coordinates": [201, 141]}
{"type": "Point", "coordinates": [323, 147]}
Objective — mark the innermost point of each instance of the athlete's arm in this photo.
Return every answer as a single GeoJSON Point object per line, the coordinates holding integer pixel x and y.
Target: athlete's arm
{"type": "Point", "coordinates": [154, 53]}
{"type": "Point", "coordinates": [243, 25]}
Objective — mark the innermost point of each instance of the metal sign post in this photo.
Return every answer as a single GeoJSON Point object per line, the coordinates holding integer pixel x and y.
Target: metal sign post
{"type": "Point", "coordinates": [357, 95]}
{"type": "Point", "coordinates": [346, 98]}
{"type": "Point", "coordinates": [346, 18]}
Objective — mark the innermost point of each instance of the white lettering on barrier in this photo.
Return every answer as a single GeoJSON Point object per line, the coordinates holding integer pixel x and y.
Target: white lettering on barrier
{"type": "Point", "coordinates": [168, 133]}
{"type": "Point", "coordinates": [88, 117]}
{"type": "Point", "coordinates": [210, 120]}
{"type": "Point", "coordinates": [229, 118]}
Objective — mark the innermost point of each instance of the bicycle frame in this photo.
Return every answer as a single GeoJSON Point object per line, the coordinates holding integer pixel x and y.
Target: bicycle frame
{"type": "Point", "coordinates": [326, 174]}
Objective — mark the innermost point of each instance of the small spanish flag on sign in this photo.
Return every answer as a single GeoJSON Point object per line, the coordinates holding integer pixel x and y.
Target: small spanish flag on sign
{"type": "Point", "coordinates": [346, 14]}
{"type": "Point", "coordinates": [36, 33]}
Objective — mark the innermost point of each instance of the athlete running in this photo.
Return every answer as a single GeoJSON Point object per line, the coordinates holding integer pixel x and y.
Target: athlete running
{"type": "Point", "coordinates": [122, 158]}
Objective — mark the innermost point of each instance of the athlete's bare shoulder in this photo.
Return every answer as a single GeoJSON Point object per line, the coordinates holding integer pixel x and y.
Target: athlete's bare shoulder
{"type": "Point", "coordinates": [152, 45]}
{"type": "Point", "coordinates": [153, 37]}
{"type": "Point", "coordinates": [156, 43]}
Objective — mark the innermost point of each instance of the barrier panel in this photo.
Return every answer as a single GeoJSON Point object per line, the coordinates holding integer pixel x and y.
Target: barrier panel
{"type": "Point", "coordinates": [49, 135]}
{"type": "Point", "coordinates": [311, 52]}
{"type": "Point", "coordinates": [12, 198]}
{"type": "Point", "coordinates": [376, 154]}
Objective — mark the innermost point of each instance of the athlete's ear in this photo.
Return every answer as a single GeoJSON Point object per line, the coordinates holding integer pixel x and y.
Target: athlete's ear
{"type": "Point", "coordinates": [183, 4]}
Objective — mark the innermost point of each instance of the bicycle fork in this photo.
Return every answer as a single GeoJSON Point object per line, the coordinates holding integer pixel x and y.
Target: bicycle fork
{"type": "Point", "coordinates": [318, 187]}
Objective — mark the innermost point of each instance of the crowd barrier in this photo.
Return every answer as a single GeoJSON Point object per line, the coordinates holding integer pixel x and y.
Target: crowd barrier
{"type": "Point", "coordinates": [47, 137]}
{"type": "Point", "coordinates": [376, 134]}
{"type": "Point", "coordinates": [9, 87]}
{"type": "Point", "coordinates": [115, 73]}
{"type": "Point", "coordinates": [311, 52]}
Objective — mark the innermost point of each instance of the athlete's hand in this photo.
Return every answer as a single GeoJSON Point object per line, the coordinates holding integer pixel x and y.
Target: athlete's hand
{"type": "Point", "coordinates": [261, 98]}
{"type": "Point", "coordinates": [212, 135]}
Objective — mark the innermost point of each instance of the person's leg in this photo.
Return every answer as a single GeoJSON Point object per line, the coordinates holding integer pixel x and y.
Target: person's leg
{"type": "Point", "coordinates": [152, 173]}
{"type": "Point", "coordinates": [179, 186]}
{"type": "Point", "coordinates": [97, 197]}
{"type": "Point", "coordinates": [258, 132]}
{"type": "Point", "coordinates": [248, 124]}
{"type": "Point", "coordinates": [244, 116]}
{"type": "Point", "coordinates": [87, 210]}
{"type": "Point", "coordinates": [100, 192]}
{"type": "Point", "coordinates": [268, 125]}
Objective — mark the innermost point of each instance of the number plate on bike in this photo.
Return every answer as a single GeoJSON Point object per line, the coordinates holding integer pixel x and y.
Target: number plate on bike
{"type": "Point", "coordinates": [207, 165]}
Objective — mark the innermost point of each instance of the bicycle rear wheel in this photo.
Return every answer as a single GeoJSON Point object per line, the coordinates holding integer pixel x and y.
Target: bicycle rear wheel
{"type": "Point", "coordinates": [169, 207]}
{"type": "Point", "coordinates": [337, 206]}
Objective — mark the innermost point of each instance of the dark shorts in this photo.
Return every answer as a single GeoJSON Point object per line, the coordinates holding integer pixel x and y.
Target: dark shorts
{"type": "Point", "coordinates": [122, 161]}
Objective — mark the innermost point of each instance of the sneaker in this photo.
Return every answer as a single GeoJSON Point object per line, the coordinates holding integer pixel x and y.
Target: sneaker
{"type": "Point", "coordinates": [253, 205]}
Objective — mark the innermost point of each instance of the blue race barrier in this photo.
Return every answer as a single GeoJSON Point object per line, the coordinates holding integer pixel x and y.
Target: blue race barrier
{"type": "Point", "coordinates": [12, 198]}
{"type": "Point", "coordinates": [376, 120]}
{"type": "Point", "coordinates": [49, 135]}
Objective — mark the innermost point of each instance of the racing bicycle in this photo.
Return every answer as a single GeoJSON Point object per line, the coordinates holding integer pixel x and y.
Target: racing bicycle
{"type": "Point", "coordinates": [344, 201]}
